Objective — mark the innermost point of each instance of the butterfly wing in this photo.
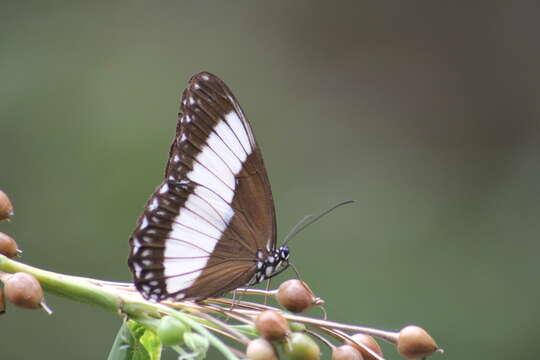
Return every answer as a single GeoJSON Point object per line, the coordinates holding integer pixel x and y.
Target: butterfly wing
{"type": "Point", "coordinates": [201, 229]}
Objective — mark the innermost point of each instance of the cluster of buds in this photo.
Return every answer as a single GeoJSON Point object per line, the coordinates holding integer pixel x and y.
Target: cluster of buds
{"type": "Point", "coordinates": [262, 332]}
{"type": "Point", "coordinates": [283, 333]}
{"type": "Point", "coordinates": [412, 342]}
{"type": "Point", "coordinates": [21, 289]}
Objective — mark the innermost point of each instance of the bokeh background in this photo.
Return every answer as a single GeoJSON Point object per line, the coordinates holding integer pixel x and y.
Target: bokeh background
{"type": "Point", "coordinates": [424, 112]}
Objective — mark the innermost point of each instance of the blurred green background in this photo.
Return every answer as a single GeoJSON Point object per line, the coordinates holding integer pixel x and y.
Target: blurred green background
{"type": "Point", "coordinates": [424, 112]}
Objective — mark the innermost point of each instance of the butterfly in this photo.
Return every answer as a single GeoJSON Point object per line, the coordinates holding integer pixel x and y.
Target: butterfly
{"type": "Point", "coordinates": [210, 226]}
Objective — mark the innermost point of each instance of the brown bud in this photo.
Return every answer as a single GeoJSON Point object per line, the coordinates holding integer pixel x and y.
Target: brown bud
{"type": "Point", "coordinates": [8, 246]}
{"type": "Point", "coordinates": [6, 209]}
{"type": "Point", "coordinates": [368, 342]}
{"type": "Point", "coordinates": [296, 296]}
{"type": "Point", "coordinates": [2, 302]}
{"type": "Point", "coordinates": [272, 325]}
{"type": "Point", "coordinates": [415, 343]}
{"type": "Point", "coordinates": [24, 290]}
{"type": "Point", "coordinates": [261, 349]}
{"type": "Point", "coordinates": [346, 352]}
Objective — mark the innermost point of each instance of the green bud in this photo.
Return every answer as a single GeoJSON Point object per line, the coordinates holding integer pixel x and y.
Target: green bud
{"type": "Point", "coordinates": [171, 330]}
{"type": "Point", "coordinates": [300, 346]}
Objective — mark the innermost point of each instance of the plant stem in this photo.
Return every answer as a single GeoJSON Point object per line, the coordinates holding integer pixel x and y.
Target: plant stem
{"type": "Point", "coordinates": [111, 298]}
{"type": "Point", "coordinates": [71, 287]}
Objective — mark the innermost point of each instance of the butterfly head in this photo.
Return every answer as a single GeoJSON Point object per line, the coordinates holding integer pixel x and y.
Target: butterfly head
{"type": "Point", "coordinates": [271, 265]}
{"type": "Point", "coordinates": [279, 261]}
{"type": "Point", "coordinates": [283, 253]}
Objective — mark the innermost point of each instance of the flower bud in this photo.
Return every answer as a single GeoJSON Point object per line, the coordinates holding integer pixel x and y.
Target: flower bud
{"type": "Point", "coordinates": [24, 290]}
{"type": "Point", "coordinates": [415, 343]}
{"type": "Point", "coordinates": [171, 330]}
{"type": "Point", "coordinates": [6, 209]}
{"type": "Point", "coordinates": [346, 352]}
{"type": "Point", "coordinates": [272, 325]}
{"type": "Point", "coordinates": [296, 296]}
{"type": "Point", "coordinates": [261, 349]}
{"type": "Point", "coordinates": [300, 346]}
{"type": "Point", "coordinates": [8, 246]}
{"type": "Point", "coordinates": [368, 342]}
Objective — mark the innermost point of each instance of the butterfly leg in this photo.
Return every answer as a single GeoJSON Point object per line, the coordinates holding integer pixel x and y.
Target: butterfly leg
{"type": "Point", "coordinates": [283, 269]}
{"type": "Point", "coordinates": [234, 301]}
{"type": "Point", "coordinates": [267, 289]}
{"type": "Point", "coordinates": [232, 305]}
{"type": "Point", "coordinates": [299, 277]}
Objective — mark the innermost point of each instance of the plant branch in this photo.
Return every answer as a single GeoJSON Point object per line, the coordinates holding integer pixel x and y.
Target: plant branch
{"type": "Point", "coordinates": [95, 292]}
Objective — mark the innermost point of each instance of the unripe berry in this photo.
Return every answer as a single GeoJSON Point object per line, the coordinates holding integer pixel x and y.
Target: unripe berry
{"type": "Point", "coordinates": [261, 349]}
{"type": "Point", "coordinates": [8, 246]}
{"type": "Point", "coordinates": [6, 209]}
{"type": "Point", "coordinates": [346, 352]}
{"type": "Point", "coordinates": [171, 330]}
{"type": "Point", "coordinates": [369, 342]}
{"type": "Point", "coordinates": [294, 295]}
{"type": "Point", "coordinates": [415, 343]}
{"type": "Point", "coordinates": [300, 346]}
{"type": "Point", "coordinates": [24, 290]}
{"type": "Point", "coordinates": [272, 325]}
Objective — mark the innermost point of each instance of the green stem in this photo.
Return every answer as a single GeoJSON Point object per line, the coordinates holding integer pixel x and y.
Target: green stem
{"type": "Point", "coordinates": [88, 291]}
{"type": "Point", "coordinates": [71, 287]}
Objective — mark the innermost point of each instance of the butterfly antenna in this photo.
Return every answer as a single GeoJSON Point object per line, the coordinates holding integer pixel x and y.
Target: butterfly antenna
{"type": "Point", "coordinates": [295, 227]}
{"type": "Point", "coordinates": [302, 224]}
{"type": "Point", "coordinates": [296, 272]}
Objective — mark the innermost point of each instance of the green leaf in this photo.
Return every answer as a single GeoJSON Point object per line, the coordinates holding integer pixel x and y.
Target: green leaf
{"type": "Point", "coordinates": [125, 345]}
{"type": "Point", "coordinates": [152, 344]}
{"type": "Point", "coordinates": [135, 342]}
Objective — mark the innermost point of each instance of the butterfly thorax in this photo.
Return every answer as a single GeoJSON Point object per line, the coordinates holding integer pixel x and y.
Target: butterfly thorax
{"type": "Point", "coordinates": [271, 265]}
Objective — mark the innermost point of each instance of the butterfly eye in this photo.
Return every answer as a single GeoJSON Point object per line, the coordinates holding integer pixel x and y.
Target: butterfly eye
{"type": "Point", "coordinates": [284, 252]}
